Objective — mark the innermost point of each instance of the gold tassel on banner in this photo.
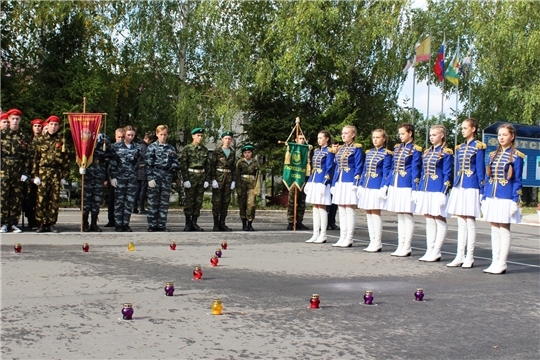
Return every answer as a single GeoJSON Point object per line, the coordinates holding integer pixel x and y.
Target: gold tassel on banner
{"type": "Point", "coordinates": [288, 156]}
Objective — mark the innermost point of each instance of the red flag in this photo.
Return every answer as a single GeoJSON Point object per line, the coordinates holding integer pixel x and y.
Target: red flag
{"type": "Point", "coordinates": [439, 64]}
{"type": "Point", "coordinates": [84, 130]}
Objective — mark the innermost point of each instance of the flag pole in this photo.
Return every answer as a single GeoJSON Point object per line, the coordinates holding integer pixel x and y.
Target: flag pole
{"type": "Point", "coordinates": [297, 125]}
{"type": "Point", "coordinates": [413, 92]}
{"type": "Point", "coordinates": [82, 179]}
{"type": "Point", "coordinates": [428, 90]}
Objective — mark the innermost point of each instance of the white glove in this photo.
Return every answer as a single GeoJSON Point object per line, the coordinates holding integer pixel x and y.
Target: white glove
{"type": "Point", "coordinates": [37, 181]}
{"type": "Point", "coordinates": [63, 182]}
{"type": "Point", "coordinates": [82, 170]}
{"type": "Point", "coordinates": [442, 199]}
{"type": "Point", "coordinates": [24, 178]}
{"type": "Point", "coordinates": [513, 208]}
{"type": "Point", "coordinates": [215, 185]}
{"type": "Point", "coordinates": [114, 182]}
{"type": "Point", "coordinates": [354, 189]}
{"type": "Point", "coordinates": [414, 196]}
{"type": "Point", "coordinates": [187, 184]}
{"type": "Point", "coordinates": [332, 190]}
{"type": "Point", "coordinates": [359, 192]}
{"type": "Point", "coordinates": [205, 185]}
{"type": "Point", "coordinates": [233, 185]}
{"type": "Point", "coordinates": [152, 184]}
{"type": "Point", "coordinates": [382, 192]}
{"type": "Point", "coordinates": [481, 197]}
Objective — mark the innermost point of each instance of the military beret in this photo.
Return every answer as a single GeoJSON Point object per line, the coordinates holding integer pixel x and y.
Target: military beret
{"type": "Point", "coordinates": [227, 133]}
{"type": "Point", "coordinates": [3, 116]}
{"type": "Point", "coordinates": [14, 112]}
{"type": "Point", "coordinates": [197, 131]}
{"type": "Point", "coordinates": [36, 121]}
{"type": "Point", "coordinates": [53, 118]}
{"type": "Point", "coordinates": [247, 148]}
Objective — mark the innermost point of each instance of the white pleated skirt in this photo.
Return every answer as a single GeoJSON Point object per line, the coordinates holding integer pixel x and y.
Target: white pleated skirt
{"type": "Point", "coordinates": [318, 193]}
{"type": "Point", "coordinates": [464, 202]}
{"type": "Point", "coordinates": [345, 194]}
{"type": "Point", "coordinates": [428, 203]}
{"type": "Point", "coordinates": [498, 211]}
{"type": "Point", "coordinates": [399, 200]}
{"type": "Point", "coordinates": [370, 199]}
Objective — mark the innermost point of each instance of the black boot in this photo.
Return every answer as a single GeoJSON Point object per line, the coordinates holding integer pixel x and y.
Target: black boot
{"type": "Point", "coordinates": [85, 226]}
{"type": "Point", "coordinates": [216, 223]}
{"type": "Point", "coordinates": [93, 224]}
{"type": "Point", "coordinates": [222, 225]}
{"type": "Point", "coordinates": [244, 225]}
{"type": "Point", "coordinates": [188, 226]}
{"type": "Point", "coordinates": [194, 225]}
{"type": "Point", "coordinates": [249, 226]}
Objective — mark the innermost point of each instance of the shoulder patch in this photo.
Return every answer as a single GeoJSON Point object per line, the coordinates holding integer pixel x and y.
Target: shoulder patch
{"type": "Point", "coordinates": [448, 151]}
{"type": "Point", "coordinates": [331, 150]}
{"type": "Point", "coordinates": [458, 146]}
{"type": "Point", "coordinates": [397, 145]}
{"type": "Point", "coordinates": [480, 145]}
{"type": "Point", "coordinates": [520, 154]}
{"type": "Point", "coordinates": [389, 152]}
{"type": "Point", "coordinates": [358, 146]}
{"type": "Point", "coordinates": [417, 148]}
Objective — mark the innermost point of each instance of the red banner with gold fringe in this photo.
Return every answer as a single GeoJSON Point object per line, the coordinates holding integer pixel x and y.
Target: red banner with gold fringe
{"type": "Point", "coordinates": [84, 130]}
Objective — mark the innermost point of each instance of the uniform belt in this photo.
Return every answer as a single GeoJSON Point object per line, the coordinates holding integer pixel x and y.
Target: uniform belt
{"type": "Point", "coordinates": [224, 170]}
{"type": "Point", "coordinates": [196, 171]}
{"type": "Point", "coordinates": [12, 157]}
{"type": "Point", "coordinates": [248, 176]}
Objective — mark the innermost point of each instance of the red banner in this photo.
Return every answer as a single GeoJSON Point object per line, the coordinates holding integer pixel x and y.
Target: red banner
{"type": "Point", "coordinates": [84, 130]}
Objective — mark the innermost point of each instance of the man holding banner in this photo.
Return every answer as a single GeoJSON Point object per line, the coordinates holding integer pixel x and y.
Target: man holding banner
{"type": "Point", "coordinates": [295, 171]}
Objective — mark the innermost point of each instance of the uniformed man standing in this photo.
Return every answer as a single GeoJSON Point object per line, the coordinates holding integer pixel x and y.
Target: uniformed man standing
{"type": "Point", "coordinates": [29, 205]}
{"type": "Point", "coordinates": [49, 169]}
{"type": "Point", "coordinates": [14, 172]}
{"type": "Point", "coordinates": [118, 137]}
{"type": "Point", "coordinates": [4, 122]}
{"type": "Point", "coordinates": [161, 164]}
{"type": "Point", "coordinates": [222, 173]}
{"type": "Point", "coordinates": [195, 166]}
{"type": "Point", "coordinates": [300, 201]}
{"type": "Point", "coordinates": [248, 179]}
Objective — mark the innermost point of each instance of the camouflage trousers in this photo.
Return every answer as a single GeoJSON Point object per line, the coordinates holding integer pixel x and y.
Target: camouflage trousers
{"type": "Point", "coordinates": [247, 203]}
{"type": "Point", "coordinates": [29, 205]}
{"type": "Point", "coordinates": [300, 206]}
{"type": "Point", "coordinates": [124, 199]}
{"type": "Point", "coordinates": [48, 197]}
{"type": "Point", "coordinates": [194, 195]}
{"type": "Point", "coordinates": [221, 198]}
{"type": "Point", "coordinates": [158, 202]}
{"type": "Point", "coordinates": [93, 194]}
{"type": "Point", "coordinates": [11, 200]}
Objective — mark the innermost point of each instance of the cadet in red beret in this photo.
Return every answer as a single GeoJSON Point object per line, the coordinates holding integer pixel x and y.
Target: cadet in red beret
{"type": "Point", "coordinates": [29, 205]}
{"type": "Point", "coordinates": [4, 121]}
{"type": "Point", "coordinates": [37, 125]}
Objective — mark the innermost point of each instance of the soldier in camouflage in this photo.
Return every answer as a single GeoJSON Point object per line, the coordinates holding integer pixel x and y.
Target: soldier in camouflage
{"type": "Point", "coordinates": [94, 181]}
{"type": "Point", "coordinates": [49, 169]}
{"type": "Point", "coordinates": [248, 180]}
{"type": "Point", "coordinates": [195, 166]}
{"type": "Point", "coordinates": [124, 178]}
{"type": "Point", "coordinates": [14, 171]}
{"type": "Point", "coordinates": [222, 171]}
{"type": "Point", "coordinates": [4, 121]}
{"type": "Point", "coordinates": [161, 164]}
{"type": "Point", "coordinates": [30, 200]}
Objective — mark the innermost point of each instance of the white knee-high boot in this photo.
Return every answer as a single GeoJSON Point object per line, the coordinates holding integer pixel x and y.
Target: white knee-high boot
{"type": "Point", "coordinates": [435, 254]}
{"type": "Point", "coordinates": [401, 232]}
{"type": "Point", "coordinates": [462, 235]}
{"type": "Point", "coordinates": [323, 214]}
{"type": "Point", "coordinates": [495, 248]}
{"type": "Point", "coordinates": [408, 221]}
{"type": "Point", "coordinates": [431, 233]}
{"type": "Point", "coordinates": [351, 223]}
{"type": "Point", "coordinates": [471, 240]}
{"type": "Point", "coordinates": [506, 237]}
{"type": "Point", "coordinates": [375, 233]}
{"type": "Point", "coordinates": [342, 226]}
{"type": "Point", "coordinates": [316, 225]}
{"type": "Point", "coordinates": [369, 222]}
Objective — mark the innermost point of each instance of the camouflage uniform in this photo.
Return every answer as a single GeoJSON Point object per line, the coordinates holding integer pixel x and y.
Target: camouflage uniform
{"type": "Point", "coordinates": [15, 155]}
{"type": "Point", "coordinates": [122, 168]}
{"type": "Point", "coordinates": [50, 164]}
{"type": "Point", "coordinates": [161, 163]}
{"type": "Point", "coordinates": [222, 169]}
{"type": "Point", "coordinates": [31, 189]}
{"type": "Point", "coordinates": [195, 166]}
{"type": "Point", "coordinates": [247, 175]}
{"type": "Point", "coordinates": [96, 174]}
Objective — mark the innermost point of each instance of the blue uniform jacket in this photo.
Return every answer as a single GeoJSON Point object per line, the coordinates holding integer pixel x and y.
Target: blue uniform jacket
{"type": "Point", "coordinates": [161, 161]}
{"type": "Point", "coordinates": [471, 168]}
{"type": "Point", "coordinates": [349, 163]}
{"type": "Point", "coordinates": [407, 166]}
{"type": "Point", "coordinates": [499, 185]}
{"type": "Point", "coordinates": [437, 168]}
{"type": "Point", "coordinates": [322, 163]}
{"type": "Point", "coordinates": [377, 167]}
{"type": "Point", "coordinates": [123, 164]}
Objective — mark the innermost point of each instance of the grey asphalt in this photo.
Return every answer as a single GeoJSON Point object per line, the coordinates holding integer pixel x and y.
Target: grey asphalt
{"type": "Point", "coordinates": [61, 303]}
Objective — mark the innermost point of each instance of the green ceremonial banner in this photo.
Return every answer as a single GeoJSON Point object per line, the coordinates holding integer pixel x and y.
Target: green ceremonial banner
{"type": "Point", "coordinates": [294, 169]}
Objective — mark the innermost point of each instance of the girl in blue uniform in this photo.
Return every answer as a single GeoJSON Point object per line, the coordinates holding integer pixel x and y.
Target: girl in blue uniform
{"type": "Point", "coordinates": [402, 185]}
{"type": "Point", "coordinates": [502, 192]}
{"type": "Point", "coordinates": [377, 166]}
{"type": "Point", "coordinates": [317, 188]}
{"type": "Point", "coordinates": [349, 162]}
{"type": "Point", "coordinates": [435, 181]}
{"type": "Point", "coordinates": [464, 201]}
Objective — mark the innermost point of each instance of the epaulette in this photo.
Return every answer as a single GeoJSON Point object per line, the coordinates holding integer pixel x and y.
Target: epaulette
{"type": "Point", "coordinates": [397, 145]}
{"type": "Point", "coordinates": [426, 151]}
{"type": "Point", "coordinates": [458, 146]}
{"type": "Point", "coordinates": [520, 154]}
{"type": "Point", "coordinates": [448, 151]}
{"type": "Point", "coordinates": [358, 146]}
{"type": "Point", "coordinates": [480, 145]}
{"type": "Point", "coordinates": [389, 152]}
{"type": "Point", "coordinates": [331, 150]}
{"type": "Point", "coordinates": [417, 148]}
{"type": "Point", "coordinates": [492, 153]}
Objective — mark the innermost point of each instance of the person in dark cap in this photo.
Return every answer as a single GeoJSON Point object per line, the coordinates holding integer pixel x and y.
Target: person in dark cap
{"type": "Point", "coordinates": [248, 180]}
{"type": "Point", "coordinates": [222, 172]}
{"type": "Point", "coordinates": [49, 169]}
{"type": "Point", "coordinates": [195, 166]}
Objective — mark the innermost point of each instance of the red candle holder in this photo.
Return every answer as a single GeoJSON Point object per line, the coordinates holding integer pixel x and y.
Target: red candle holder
{"type": "Point", "coordinates": [172, 246]}
{"type": "Point", "coordinates": [127, 311]}
{"type": "Point", "coordinates": [224, 245]}
{"type": "Point", "coordinates": [315, 301]}
{"type": "Point", "coordinates": [197, 273]}
{"type": "Point", "coordinates": [85, 247]}
{"type": "Point", "coordinates": [214, 260]}
{"type": "Point", "coordinates": [18, 248]}
{"type": "Point", "coordinates": [218, 253]}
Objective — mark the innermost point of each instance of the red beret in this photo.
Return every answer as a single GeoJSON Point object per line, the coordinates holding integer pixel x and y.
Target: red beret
{"type": "Point", "coordinates": [14, 112]}
{"type": "Point", "coordinates": [53, 118]}
{"type": "Point", "coordinates": [36, 121]}
{"type": "Point", "coordinates": [3, 116]}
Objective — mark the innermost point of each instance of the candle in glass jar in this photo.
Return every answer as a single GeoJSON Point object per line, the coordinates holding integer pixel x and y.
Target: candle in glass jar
{"type": "Point", "coordinates": [224, 245]}
{"type": "Point", "coordinates": [85, 247]}
{"type": "Point", "coordinates": [314, 301]}
{"type": "Point", "coordinates": [368, 297]}
{"type": "Point", "coordinates": [217, 307]}
{"type": "Point", "coordinates": [197, 273]}
{"type": "Point", "coordinates": [127, 311]}
{"type": "Point", "coordinates": [18, 248]}
{"type": "Point", "coordinates": [131, 246]}
{"type": "Point", "coordinates": [214, 260]}
{"type": "Point", "coordinates": [169, 289]}
{"type": "Point", "coordinates": [419, 295]}
{"type": "Point", "coordinates": [218, 253]}
{"type": "Point", "coordinates": [173, 246]}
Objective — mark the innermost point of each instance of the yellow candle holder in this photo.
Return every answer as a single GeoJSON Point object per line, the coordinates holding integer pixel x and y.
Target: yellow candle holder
{"type": "Point", "coordinates": [131, 246]}
{"type": "Point", "coordinates": [217, 307]}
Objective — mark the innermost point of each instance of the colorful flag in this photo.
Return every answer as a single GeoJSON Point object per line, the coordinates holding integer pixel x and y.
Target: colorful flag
{"type": "Point", "coordinates": [452, 73]}
{"type": "Point", "coordinates": [423, 51]}
{"type": "Point", "coordinates": [84, 128]}
{"type": "Point", "coordinates": [466, 65]}
{"type": "Point", "coordinates": [411, 59]}
{"type": "Point", "coordinates": [295, 166]}
{"type": "Point", "coordinates": [439, 64]}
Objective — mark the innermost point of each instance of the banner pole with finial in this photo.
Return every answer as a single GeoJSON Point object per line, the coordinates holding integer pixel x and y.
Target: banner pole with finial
{"type": "Point", "coordinates": [82, 179]}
